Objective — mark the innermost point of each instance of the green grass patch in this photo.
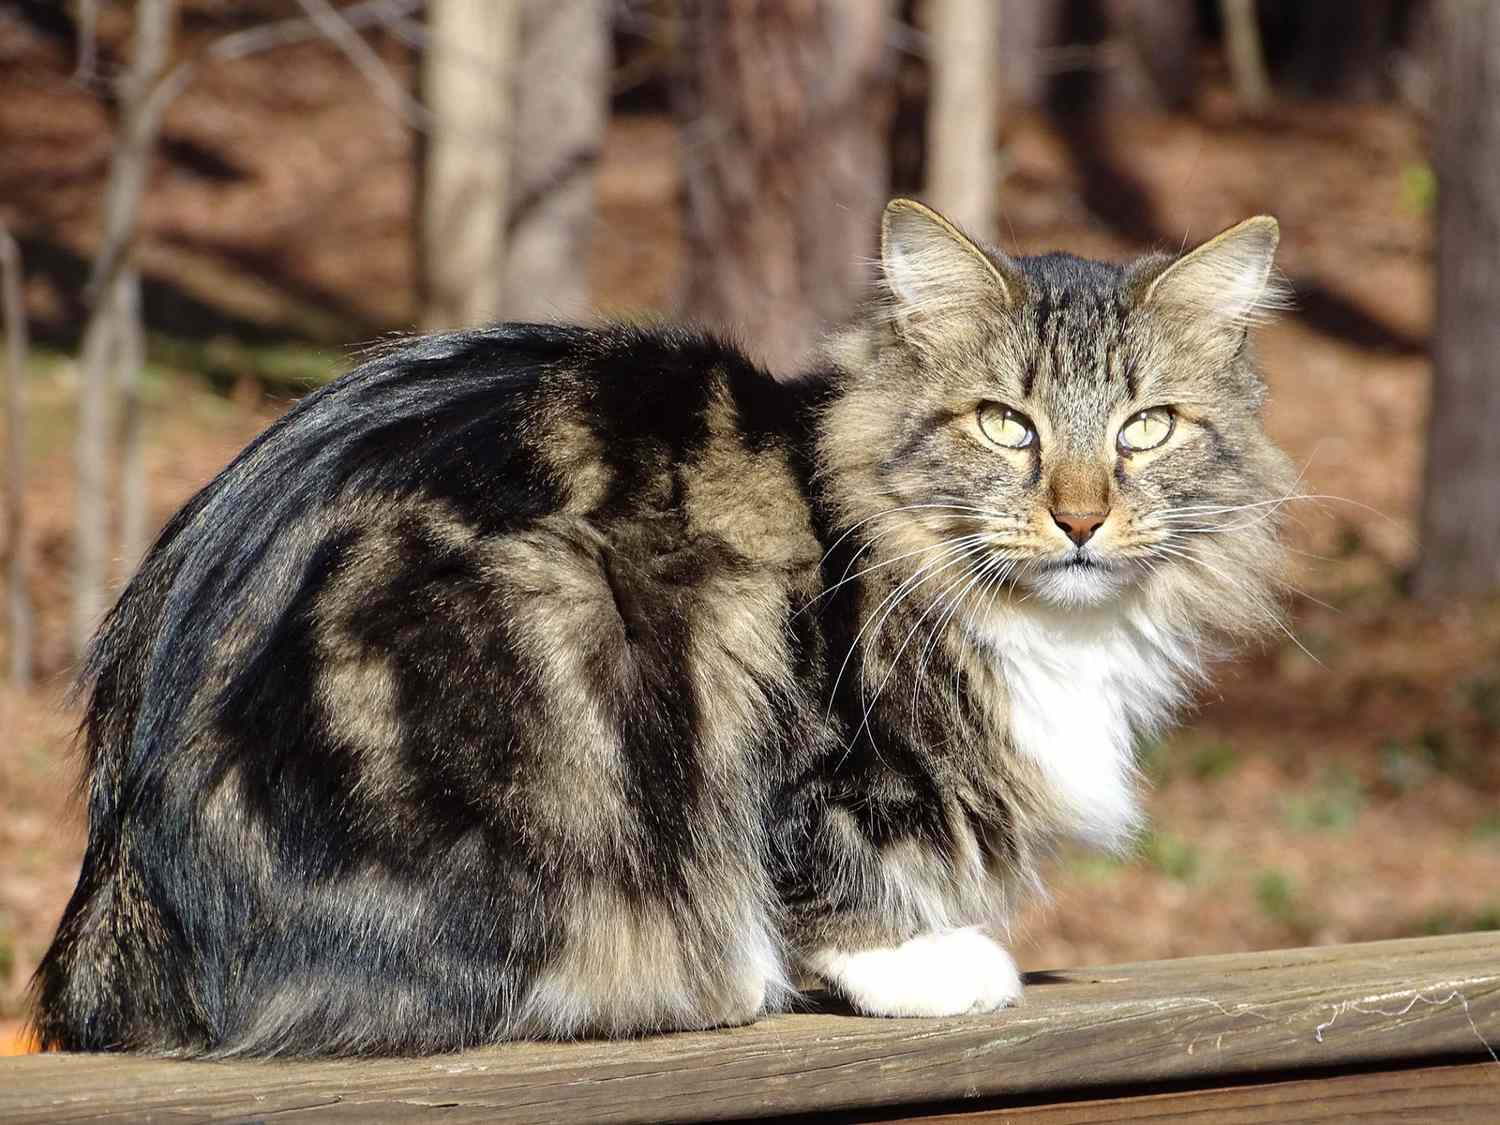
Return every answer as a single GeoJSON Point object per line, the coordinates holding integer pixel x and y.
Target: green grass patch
{"type": "Point", "coordinates": [1214, 760]}
{"type": "Point", "coordinates": [1450, 920]}
{"type": "Point", "coordinates": [1276, 894]}
{"type": "Point", "coordinates": [1282, 901]}
{"type": "Point", "coordinates": [1154, 759]}
{"type": "Point", "coordinates": [1201, 759]}
{"type": "Point", "coordinates": [1482, 695]}
{"type": "Point", "coordinates": [1097, 867]}
{"type": "Point", "coordinates": [1171, 855]}
{"type": "Point", "coordinates": [1333, 804]}
{"type": "Point", "coordinates": [1419, 188]}
{"type": "Point", "coordinates": [1488, 829]}
{"type": "Point", "coordinates": [288, 367]}
{"type": "Point", "coordinates": [1405, 766]}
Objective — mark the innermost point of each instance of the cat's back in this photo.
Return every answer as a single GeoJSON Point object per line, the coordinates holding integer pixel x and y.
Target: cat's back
{"type": "Point", "coordinates": [526, 423]}
{"type": "Point", "coordinates": [519, 422]}
{"type": "Point", "coordinates": [582, 479]}
{"type": "Point", "coordinates": [504, 607]}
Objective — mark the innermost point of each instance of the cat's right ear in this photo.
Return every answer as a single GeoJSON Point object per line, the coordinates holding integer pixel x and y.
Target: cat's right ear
{"type": "Point", "coordinates": [1230, 280]}
{"type": "Point", "coordinates": [933, 271]}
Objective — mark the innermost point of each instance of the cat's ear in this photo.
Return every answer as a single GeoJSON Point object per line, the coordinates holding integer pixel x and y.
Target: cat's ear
{"type": "Point", "coordinates": [1230, 280]}
{"type": "Point", "coordinates": [933, 270]}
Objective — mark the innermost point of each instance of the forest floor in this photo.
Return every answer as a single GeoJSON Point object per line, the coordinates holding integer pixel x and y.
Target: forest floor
{"type": "Point", "coordinates": [1340, 785]}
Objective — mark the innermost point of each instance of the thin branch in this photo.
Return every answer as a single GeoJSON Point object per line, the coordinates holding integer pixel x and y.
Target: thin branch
{"type": "Point", "coordinates": [88, 43]}
{"type": "Point", "coordinates": [165, 85]}
{"type": "Point", "coordinates": [283, 33]}
{"type": "Point", "coordinates": [145, 91]}
{"type": "Point", "coordinates": [130, 363]}
{"type": "Point", "coordinates": [393, 92]}
{"type": "Point", "coordinates": [1247, 60]}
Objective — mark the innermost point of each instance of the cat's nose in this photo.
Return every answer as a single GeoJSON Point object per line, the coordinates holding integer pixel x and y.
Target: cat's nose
{"type": "Point", "coordinates": [1079, 526]}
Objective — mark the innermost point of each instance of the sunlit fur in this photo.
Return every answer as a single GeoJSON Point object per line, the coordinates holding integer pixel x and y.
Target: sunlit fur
{"type": "Point", "coordinates": [548, 681]}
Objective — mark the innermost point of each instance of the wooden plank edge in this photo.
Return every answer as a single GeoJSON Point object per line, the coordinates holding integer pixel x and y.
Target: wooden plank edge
{"type": "Point", "coordinates": [1198, 1022]}
{"type": "Point", "coordinates": [1461, 1082]}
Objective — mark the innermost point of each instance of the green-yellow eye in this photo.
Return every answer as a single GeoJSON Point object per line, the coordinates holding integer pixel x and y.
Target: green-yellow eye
{"type": "Point", "coordinates": [1147, 430]}
{"type": "Point", "coordinates": [1004, 426]}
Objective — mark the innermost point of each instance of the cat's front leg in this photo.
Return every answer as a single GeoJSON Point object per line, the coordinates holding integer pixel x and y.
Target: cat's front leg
{"type": "Point", "coordinates": [948, 973]}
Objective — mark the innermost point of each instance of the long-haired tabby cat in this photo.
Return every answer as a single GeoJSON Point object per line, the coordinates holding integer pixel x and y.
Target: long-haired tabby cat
{"type": "Point", "coordinates": [548, 681]}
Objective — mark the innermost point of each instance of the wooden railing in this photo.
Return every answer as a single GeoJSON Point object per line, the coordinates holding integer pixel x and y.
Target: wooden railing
{"type": "Point", "coordinates": [1386, 1031]}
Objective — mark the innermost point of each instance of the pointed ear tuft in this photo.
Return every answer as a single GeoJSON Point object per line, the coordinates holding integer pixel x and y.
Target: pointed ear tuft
{"type": "Point", "coordinates": [1230, 279]}
{"type": "Point", "coordinates": [931, 268]}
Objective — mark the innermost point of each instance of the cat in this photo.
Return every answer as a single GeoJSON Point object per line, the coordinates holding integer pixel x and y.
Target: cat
{"type": "Point", "coordinates": [548, 681]}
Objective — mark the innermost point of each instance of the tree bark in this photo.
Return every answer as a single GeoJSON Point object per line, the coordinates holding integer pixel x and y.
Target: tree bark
{"type": "Point", "coordinates": [783, 110]}
{"type": "Point", "coordinates": [963, 112]}
{"type": "Point", "coordinates": [130, 370]}
{"type": "Point", "coordinates": [1161, 42]}
{"type": "Point", "coordinates": [1246, 55]}
{"type": "Point", "coordinates": [144, 92]}
{"type": "Point", "coordinates": [467, 82]}
{"type": "Point", "coordinates": [1027, 29]}
{"type": "Point", "coordinates": [18, 615]}
{"type": "Point", "coordinates": [1460, 525]}
{"type": "Point", "coordinates": [562, 104]}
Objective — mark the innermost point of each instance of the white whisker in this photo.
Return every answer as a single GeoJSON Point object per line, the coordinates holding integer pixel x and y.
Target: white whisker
{"type": "Point", "coordinates": [909, 584]}
{"type": "Point", "coordinates": [895, 663]}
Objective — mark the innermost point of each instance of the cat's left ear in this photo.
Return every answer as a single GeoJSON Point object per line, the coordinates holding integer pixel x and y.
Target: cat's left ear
{"type": "Point", "coordinates": [1230, 280]}
{"type": "Point", "coordinates": [934, 271]}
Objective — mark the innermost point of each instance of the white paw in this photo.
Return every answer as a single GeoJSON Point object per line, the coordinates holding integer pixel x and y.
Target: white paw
{"type": "Point", "coordinates": [942, 974]}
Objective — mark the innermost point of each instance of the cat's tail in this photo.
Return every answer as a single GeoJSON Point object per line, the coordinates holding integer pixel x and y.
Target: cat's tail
{"type": "Point", "coordinates": [96, 981]}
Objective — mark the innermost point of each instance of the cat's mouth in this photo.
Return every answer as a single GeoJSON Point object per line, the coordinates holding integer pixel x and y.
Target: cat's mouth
{"type": "Point", "coordinates": [1076, 560]}
{"type": "Point", "coordinates": [1078, 579]}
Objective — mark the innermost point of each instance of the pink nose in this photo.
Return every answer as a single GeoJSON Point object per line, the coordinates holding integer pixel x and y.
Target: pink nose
{"type": "Point", "coordinates": [1079, 526]}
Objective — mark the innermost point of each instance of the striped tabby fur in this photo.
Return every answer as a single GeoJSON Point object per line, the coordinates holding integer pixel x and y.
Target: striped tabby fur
{"type": "Point", "coordinates": [551, 681]}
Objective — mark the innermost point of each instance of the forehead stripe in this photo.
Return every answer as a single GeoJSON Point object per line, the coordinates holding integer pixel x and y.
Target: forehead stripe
{"type": "Point", "coordinates": [1028, 376]}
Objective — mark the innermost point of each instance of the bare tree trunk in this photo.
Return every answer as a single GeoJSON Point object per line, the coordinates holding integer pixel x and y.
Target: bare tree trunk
{"type": "Point", "coordinates": [562, 104]}
{"type": "Point", "coordinates": [1027, 28]}
{"type": "Point", "coordinates": [1247, 60]}
{"type": "Point", "coordinates": [963, 112]}
{"type": "Point", "coordinates": [783, 110]}
{"type": "Point", "coordinates": [18, 614]}
{"type": "Point", "coordinates": [143, 91]}
{"type": "Point", "coordinates": [130, 363]}
{"type": "Point", "coordinates": [467, 84]}
{"type": "Point", "coordinates": [1460, 537]}
{"type": "Point", "coordinates": [1163, 40]}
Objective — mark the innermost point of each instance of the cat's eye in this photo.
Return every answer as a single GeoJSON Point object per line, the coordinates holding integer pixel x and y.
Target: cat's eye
{"type": "Point", "coordinates": [1147, 430]}
{"type": "Point", "coordinates": [1004, 426]}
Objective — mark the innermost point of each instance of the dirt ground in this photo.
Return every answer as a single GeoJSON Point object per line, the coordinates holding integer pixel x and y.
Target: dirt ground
{"type": "Point", "coordinates": [1339, 786]}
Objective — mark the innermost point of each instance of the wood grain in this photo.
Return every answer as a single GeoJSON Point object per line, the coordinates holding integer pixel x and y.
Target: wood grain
{"type": "Point", "coordinates": [1200, 1020]}
{"type": "Point", "coordinates": [1441, 1095]}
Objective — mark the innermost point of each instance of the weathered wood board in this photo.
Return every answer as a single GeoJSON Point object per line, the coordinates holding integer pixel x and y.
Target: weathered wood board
{"type": "Point", "coordinates": [1438, 1095]}
{"type": "Point", "coordinates": [1200, 1021]}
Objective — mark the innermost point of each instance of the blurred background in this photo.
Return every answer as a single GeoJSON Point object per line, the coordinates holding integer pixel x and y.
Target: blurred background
{"type": "Point", "coordinates": [209, 205]}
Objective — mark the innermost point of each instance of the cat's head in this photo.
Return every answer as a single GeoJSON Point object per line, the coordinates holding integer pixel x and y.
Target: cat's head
{"type": "Point", "coordinates": [1062, 430]}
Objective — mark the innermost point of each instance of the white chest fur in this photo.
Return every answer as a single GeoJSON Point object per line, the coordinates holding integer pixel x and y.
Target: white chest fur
{"type": "Point", "coordinates": [1082, 685]}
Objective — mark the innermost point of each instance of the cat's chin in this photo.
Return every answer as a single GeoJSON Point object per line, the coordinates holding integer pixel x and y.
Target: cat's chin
{"type": "Point", "coordinates": [1074, 586]}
